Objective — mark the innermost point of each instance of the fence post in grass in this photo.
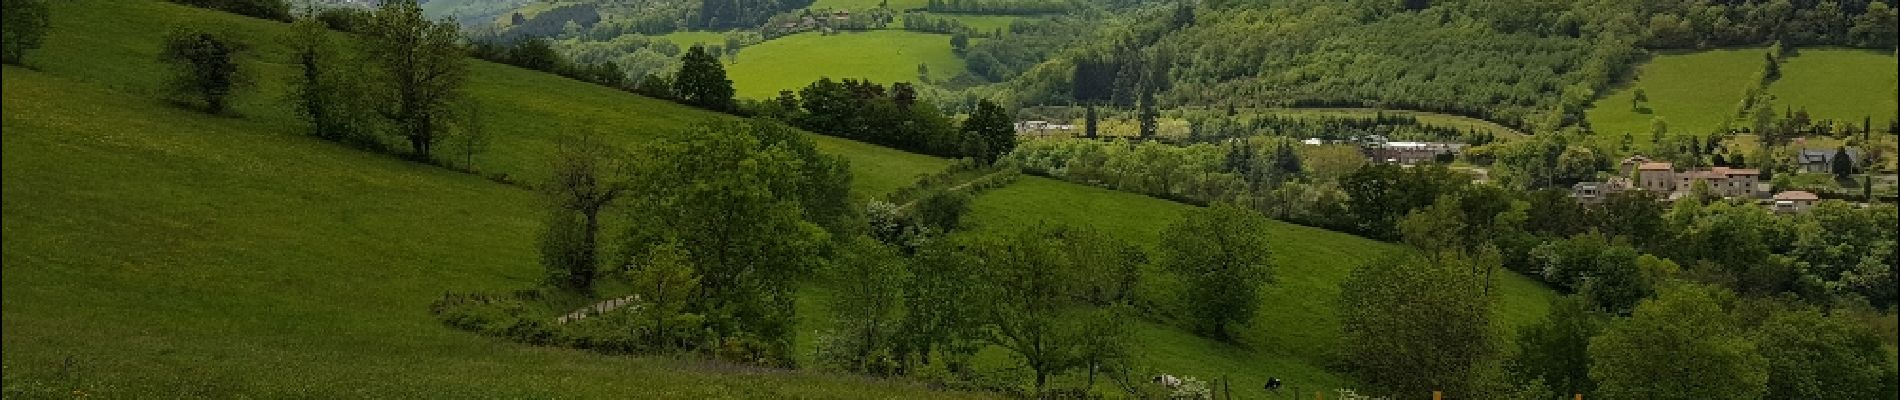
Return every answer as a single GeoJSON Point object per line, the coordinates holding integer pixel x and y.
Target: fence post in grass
{"type": "Point", "coordinates": [1226, 387]}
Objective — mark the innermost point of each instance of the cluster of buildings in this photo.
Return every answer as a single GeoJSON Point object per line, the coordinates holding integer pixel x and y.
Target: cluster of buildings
{"type": "Point", "coordinates": [1638, 173]}
{"type": "Point", "coordinates": [1411, 153]}
{"type": "Point", "coordinates": [1042, 128]}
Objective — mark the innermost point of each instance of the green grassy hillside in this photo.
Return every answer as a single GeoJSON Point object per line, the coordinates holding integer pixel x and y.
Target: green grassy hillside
{"type": "Point", "coordinates": [1840, 84]}
{"type": "Point", "coordinates": [1294, 334]}
{"type": "Point", "coordinates": [155, 252]}
{"type": "Point", "coordinates": [1692, 92]}
{"type": "Point", "coordinates": [883, 56]}
{"type": "Point", "coordinates": [1697, 92]}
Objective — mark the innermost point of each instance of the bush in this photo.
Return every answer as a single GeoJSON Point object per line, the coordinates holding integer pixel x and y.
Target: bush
{"type": "Point", "coordinates": [276, 10]}
{"type": "Point", "coordinates": [206, 69]}
{"type": "Point", "coordinates": [344, 19]}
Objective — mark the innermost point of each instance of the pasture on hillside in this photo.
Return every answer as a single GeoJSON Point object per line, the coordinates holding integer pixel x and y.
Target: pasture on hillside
{"type": "Point", "coordinates": [1840, 84]}
{"type": "Point", "coordinates": [1696, 92]}
{"type": "Point", "coordinates": [1294, 335]}
{"type": "Point", "coordinates": [156, 252]}
{"type": "Point", "coordinates": [883, 56]}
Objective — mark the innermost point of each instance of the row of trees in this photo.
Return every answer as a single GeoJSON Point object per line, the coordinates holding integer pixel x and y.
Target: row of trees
{"type": "Point", "coordinates": [999, 7]}
{"type": "Point", "coordinates": [921, 22]}
{"type": "Point", "coordinates": [539, 54]}
{"type": "Point", "coordinates": [895, 117]}
{"type": "Point", "coordinates": [1703, 24]}
{"type": "Point", "coordinates": [1209, 125]}
{"type": "Point", "coordinates": [742, 14]}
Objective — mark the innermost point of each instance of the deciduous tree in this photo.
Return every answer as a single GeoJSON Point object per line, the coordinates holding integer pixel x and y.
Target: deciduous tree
{"type": "Point", "coordinates": [23, 28]}
{"type": "Point", "coordinates": [1414, 325]}
{"type": "Point", "coordinates": [1644, 357]}
{"type": "Point", "coordinates": [423, 65]}
{"type": "Point", "coordinates": [1221, 254]}
{"type": "Point", "coordinates": [205, 67]}
{"type": "Point", "coordinates": [701, 81]}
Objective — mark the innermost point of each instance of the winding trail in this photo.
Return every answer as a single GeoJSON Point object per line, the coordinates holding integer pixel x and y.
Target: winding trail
{"type": "Point", "coordinates": [602, 307]}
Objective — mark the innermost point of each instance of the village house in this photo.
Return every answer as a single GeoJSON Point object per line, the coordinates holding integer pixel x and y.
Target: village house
{"type": "Point", "coordinates": [1596, 192]}
{"type": "Point", "coordinates": [1821, 161]}
{"type": "Point", "coordinates": [1794, 201]}
{"type": "Point", "coordinates": [1661, 177]}
{"type": "Point", "coordinates": [1722, 181]}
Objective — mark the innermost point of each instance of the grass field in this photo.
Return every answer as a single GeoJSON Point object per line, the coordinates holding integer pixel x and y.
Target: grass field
{"type": "Point", "coordinates": [1697, 92]}
{"type": "Point", "coordinates": [883, 56]}
{"type": "Point", "coordinates": [1692, 92]}
{"type": "Point", "coordinates": [1294, 335]}
{"type": "Point", "coordinates": [153, 252]}
{"type": "Point", "coordinates": [1840, 84]}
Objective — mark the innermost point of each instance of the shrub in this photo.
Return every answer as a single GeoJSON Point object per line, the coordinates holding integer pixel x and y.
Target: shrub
{"type": "Point", "coordinates": [205, 66]}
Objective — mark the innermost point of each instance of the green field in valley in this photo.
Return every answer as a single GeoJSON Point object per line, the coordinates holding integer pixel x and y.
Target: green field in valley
{"type": "Point", "coordinates": [883, 56]}
{"type": "Point", "coordinates": [1294, 334]}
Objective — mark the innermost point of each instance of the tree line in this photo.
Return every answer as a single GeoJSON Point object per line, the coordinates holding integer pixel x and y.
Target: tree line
{"type": "Point", "coordinates": [895, 117]}
{"type": "Point", "coordinates": [999, 7]}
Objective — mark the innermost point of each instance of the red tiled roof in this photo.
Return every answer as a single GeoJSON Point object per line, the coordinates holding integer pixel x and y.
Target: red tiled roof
{"type": "Point", "coordinates": [1656, 166]}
